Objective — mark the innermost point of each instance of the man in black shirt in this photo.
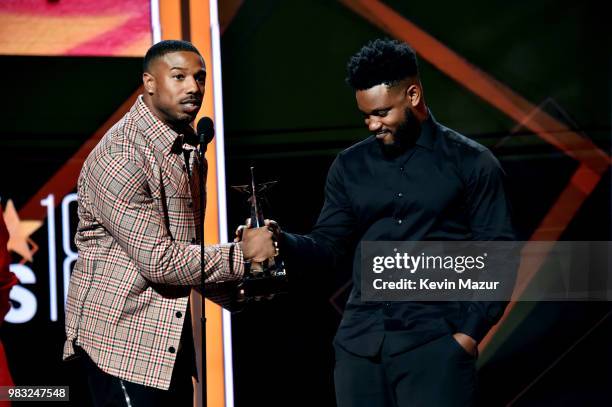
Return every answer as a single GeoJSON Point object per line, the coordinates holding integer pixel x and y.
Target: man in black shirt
{"type": "Point", "coordinates": [413, 179]}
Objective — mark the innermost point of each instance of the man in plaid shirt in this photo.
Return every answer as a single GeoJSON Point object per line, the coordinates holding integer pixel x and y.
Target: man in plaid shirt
{"type": "Point", "coordinates": [127, 314]}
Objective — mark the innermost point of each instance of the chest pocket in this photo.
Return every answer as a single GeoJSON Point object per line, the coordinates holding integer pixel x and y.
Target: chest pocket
{"type": "Point", "coordinates": [175, 201]}
{"type": "Point", "coordinates": [173, 178]}
{"type": "Point", "coordinates": [180, 220]}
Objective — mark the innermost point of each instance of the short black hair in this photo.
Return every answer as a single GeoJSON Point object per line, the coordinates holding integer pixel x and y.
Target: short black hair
{"type": "Point", "coordinates": [382, 61]}
{"type": "Point", "coordinates": [165, 47]}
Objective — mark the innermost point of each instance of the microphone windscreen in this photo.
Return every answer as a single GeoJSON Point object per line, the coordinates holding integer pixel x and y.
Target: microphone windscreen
{"type": "Point", "coordinates": [206, 129]}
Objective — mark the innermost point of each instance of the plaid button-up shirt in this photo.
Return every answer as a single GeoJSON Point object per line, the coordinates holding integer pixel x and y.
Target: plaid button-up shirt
{"type": "Point", "coordinates": [138, 208]}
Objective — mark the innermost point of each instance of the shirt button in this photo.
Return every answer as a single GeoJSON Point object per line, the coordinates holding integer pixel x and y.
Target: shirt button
{"type": "Point", "coordinates": [184, 167]}
{"type": "Point", "coordinates": [400, 195]}
{"type": "Point", "coordinates": [401, 168]}
{"type": "Point", "coordinates": [179, 314]}
{"type": "Point", "coordinates": [171, 349]}
{"type": "Point", "coordinates": [193, 240]}
{"type": "Point", "coordinates": [399, 221]}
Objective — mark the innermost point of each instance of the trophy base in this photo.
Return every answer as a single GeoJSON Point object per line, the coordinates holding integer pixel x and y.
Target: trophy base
{"type": "Point", "coordinates": [234, 295]}
{"type": "Point", "coordinates": [261, 286]}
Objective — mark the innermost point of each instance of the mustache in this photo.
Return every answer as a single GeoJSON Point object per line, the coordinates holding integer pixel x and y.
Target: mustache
{"type": "Point", "coordinates": [194, 100]}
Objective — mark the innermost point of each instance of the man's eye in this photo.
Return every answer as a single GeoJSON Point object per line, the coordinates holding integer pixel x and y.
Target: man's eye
{"type": "Point", "coordinates": [382, 113]}
{"type": "Point", "coordinates": [179, 77]}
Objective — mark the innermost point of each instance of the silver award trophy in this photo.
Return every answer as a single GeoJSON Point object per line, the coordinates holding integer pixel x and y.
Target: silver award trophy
{"type": "Point", "coordinates": [266, 279]}
{"type": "Point", "coordinates": [261, 281]}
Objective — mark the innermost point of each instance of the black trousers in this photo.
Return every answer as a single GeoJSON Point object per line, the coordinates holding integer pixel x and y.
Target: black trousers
{"type": "Point", "coordinates": [439, 373]}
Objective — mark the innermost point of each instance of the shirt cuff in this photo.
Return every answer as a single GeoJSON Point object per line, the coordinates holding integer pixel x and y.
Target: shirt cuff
{"type": "Point", "coordinates": [236, 261]}
{"type": "Point", "coordinates": [475, 326]}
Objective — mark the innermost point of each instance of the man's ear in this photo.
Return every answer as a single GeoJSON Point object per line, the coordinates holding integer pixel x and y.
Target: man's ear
{"type": "Point", "coordinates": [414, 94]}
{"type": "Point", "coordinates": [148, 81]}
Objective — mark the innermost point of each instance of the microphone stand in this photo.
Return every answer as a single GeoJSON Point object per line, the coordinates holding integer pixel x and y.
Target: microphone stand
{"type": "Point", "coordinates": [201, 151]}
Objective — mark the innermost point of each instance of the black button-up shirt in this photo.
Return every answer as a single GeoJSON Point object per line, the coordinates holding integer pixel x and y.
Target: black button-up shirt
{"type": "Point", "coordinates": [445, 187]}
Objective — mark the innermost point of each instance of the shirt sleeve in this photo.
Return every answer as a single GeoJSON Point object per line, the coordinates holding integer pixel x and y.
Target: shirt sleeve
{"type": "Point", "coordinates": [121, 201]}
{"type": "Point", "coordinates": [332, 234]}
{"type": "Point", "coordinates": [490, 219]}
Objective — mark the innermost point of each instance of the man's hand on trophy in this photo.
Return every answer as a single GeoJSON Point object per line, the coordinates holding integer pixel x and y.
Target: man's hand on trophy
{"type": "Point", "coordinates": [257, 244]}
{"type": "Point", "coordinates": [274, 228]}
{"type": "Point", "coordinates": [270, 224]}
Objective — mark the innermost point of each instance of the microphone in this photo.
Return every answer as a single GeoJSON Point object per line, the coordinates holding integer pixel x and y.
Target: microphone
{"type": "Point", "coordinates": [206, 131]}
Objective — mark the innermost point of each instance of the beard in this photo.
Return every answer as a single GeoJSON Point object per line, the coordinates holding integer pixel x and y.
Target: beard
{"type": "Point", "coordinates": [404, 137]}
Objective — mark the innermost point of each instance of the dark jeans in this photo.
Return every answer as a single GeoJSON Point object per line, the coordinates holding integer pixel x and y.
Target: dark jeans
{"type": "Point", "coordinates": [439, 373]}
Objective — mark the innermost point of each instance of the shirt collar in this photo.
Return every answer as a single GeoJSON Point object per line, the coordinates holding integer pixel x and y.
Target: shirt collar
{"type": "Point", "coordinates": [428, 131]}
{"type": "Point", "coordinates": [164, 138]}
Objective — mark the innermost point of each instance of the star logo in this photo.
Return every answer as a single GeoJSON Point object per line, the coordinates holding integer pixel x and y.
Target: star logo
{"type": "Point", "coordinates": [19, 233]}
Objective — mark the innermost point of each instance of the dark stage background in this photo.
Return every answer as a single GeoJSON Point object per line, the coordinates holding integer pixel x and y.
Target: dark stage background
{"type": "Point", "coordinates": [288, 112]}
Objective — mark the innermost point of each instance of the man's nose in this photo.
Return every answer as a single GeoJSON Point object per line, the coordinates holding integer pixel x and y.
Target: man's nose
{"type": "Point", "coordinates": [373, 124]}
{"type": "Point", "coordinates": [193, 86]}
